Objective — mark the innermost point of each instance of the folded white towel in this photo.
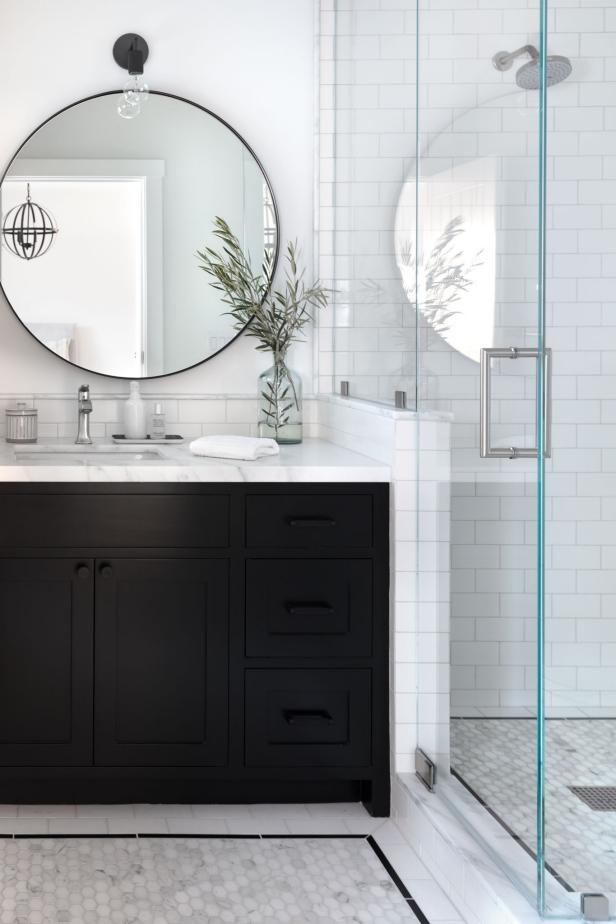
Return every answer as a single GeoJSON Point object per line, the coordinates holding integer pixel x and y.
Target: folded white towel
{"type": "Point", "coordinates": [234, 447]}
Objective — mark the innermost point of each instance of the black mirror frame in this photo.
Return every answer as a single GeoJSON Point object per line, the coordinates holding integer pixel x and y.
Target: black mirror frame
{"type": "Point", "coordinates": [181, 99]}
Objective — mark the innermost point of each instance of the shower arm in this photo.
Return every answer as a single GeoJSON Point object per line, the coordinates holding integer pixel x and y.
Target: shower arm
{"type": "Point", "coordinates": [503, 60]}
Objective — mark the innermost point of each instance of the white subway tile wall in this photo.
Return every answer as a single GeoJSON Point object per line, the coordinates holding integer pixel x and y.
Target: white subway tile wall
{"type": "Point", "coordinates": [494, 511]}
{"type": "Point", "coordinates": [419, 599]}
{"type": "Point", "coordinates": [476, 125]}
{"type": "Point", "coordinates": [187, 415]}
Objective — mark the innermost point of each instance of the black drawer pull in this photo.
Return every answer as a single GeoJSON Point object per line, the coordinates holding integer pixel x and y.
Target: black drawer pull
{"type": "Point", "coordinates": [82, 572]}
{"type": "Point", "coordinates": [309, 609]}
{"type": "Point", "coordinates": [306, 522]}
{"type": "Point", "coordinates": [307, 717]}
{"type": "Point", "coordinates": [106, 571]}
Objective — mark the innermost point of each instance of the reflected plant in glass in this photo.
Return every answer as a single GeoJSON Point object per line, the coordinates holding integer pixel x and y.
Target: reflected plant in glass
{"type": "Point", "coordinates": [276, 317]}
{"type": "Point", "coordinates": [447, 275]}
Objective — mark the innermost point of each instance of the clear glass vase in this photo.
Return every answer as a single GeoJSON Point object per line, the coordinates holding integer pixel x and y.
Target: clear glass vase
{"type": "Point", "coordinates": [280, 403]}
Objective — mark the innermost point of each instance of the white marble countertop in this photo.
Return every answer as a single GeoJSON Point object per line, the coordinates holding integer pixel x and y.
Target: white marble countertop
{"type": "Point", "coordinates": [312, 460]}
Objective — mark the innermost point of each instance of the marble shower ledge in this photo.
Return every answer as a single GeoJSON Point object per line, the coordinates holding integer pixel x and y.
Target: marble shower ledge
{"type": "Point", "coordinates": [312, 461]}
{"type": "Point", "coordinates": [381, 409]}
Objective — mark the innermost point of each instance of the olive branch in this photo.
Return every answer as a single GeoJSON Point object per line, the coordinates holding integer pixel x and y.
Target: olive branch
{"type": "Point", "coordinates": [274, 317]}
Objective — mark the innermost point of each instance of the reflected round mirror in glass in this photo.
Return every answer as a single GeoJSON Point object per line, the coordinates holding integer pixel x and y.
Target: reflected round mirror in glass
{"type": "Point", "coordinates": [101, 220]}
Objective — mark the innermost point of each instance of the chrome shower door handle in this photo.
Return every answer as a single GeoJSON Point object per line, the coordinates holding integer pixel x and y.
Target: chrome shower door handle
{"type": "Point", "coordinates": [486, 450]}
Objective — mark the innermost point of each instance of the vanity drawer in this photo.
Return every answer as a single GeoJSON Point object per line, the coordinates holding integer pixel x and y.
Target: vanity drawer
{"type": "Point", "coordinates": [309, 521]}
{"type": "Point", "coordinates": [313, 607]}
{"type": "Point", "coordinates": [114, 520]}
{"type": "Point", "coordinates": [308, 718]}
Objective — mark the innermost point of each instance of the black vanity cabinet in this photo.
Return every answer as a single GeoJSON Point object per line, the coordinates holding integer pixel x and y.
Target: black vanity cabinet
{"type": "Point", "coordinates": [46, 671]}
{"type": "Point", "coordinates": [160, 663]}
{"type": "Point", "coordinates": [194, 642]}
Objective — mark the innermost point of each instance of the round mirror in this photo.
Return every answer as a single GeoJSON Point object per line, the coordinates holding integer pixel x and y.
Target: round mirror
{"type": "Point", "coordinates": [102, 217]}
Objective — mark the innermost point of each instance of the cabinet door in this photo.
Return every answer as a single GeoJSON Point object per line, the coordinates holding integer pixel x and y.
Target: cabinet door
{"type": "Point", "coordinates": [45, 662]}
{"type": "Point", "coordinates": [161, 662]}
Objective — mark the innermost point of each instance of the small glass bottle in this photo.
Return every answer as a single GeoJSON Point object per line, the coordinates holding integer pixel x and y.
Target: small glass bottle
{"type": "Point", "coordinates": [157, 423]}
{"type": "Point", "coordinates": [280, 404]}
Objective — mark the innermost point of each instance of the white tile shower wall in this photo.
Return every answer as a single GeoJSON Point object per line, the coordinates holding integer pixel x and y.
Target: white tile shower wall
{"type": "Point", "coordinates": [494, 513]}
{"type": "Point", "coordinates": [473, 115]}
{"type": "Point", "coordinates": [418, 453]}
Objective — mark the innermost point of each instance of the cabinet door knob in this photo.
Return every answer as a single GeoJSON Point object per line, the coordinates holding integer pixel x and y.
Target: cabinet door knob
{"type": "Point", "coordinates": [106, 571]}
{"type": "Point", "coordinates": [82, 571]}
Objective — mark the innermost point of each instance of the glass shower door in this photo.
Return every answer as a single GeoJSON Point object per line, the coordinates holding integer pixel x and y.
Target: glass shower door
{"type": "Point", "coordinates": [479, 346]}
{"type": "Point", "coordinates": [579, 679]}
{"type": "Point", "coordinates": [506, 237]}
{"type": "Point", "coordinates": [483, 362]}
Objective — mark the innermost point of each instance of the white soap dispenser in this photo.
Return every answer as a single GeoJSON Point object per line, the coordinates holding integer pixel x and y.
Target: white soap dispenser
{"type": "Point", "coordinates": [135, 425]}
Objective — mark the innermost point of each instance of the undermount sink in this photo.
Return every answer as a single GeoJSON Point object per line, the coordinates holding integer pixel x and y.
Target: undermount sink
{"type": "Point", "coordinates": [85, 455]}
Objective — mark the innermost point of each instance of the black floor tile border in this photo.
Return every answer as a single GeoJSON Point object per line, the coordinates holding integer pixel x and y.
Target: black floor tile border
{"type": "Point", "coordinates": [393, 875]}
{"type": "Point", "coordinates": [398, 882]}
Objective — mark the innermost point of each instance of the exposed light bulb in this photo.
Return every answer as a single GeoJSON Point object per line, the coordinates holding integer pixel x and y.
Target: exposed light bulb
{"type": "Point", "coordinates": [136, 89]}
{"type": "Point", "coordinates": [129, 110]}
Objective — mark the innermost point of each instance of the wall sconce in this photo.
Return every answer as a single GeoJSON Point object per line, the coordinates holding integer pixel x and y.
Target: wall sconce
{"type": "Point", "coordinates": [28, 229]}
{"type": "Point", "coordinates": [131, 52]}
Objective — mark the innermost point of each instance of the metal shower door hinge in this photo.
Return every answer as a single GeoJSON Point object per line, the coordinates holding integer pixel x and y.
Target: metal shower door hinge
{"type": "Point", "coordinates": [595, 907]}
{"type": "Point", "coordinates": [486, 450]}
{"type": "Point", "coordinates": [425, 769]}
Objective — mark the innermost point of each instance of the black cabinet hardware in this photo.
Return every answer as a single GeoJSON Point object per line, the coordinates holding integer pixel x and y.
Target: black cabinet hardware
{"type": "Point", "coordinates": [106, 570]}
{"type": "Point", "coordinates": [314, 607]}
{"type": "Point", "coordinates": [310, 522]}
{"type": "Point", "coordinates": [307, 717]}
{"type": "Point", "coordinates": [310, 609]}
{"type": "Point", "coordinates": [82, 572]}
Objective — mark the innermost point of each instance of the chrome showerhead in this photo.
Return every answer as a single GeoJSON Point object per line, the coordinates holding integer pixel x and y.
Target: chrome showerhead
{"type": "Point", "coordinates": [558, 69]}
{"type": "Point", "coordinates": [528, 77]}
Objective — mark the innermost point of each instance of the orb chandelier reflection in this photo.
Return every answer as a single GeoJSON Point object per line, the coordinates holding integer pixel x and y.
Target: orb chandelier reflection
{"type": "Point", "coordinates": [28, 229]}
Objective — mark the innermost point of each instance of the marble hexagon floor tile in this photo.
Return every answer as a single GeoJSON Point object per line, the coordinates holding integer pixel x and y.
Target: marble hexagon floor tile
{"type": "Point", "coordinates": [149, 880]}
{"type": "Point", "coordinates": [496, 758]}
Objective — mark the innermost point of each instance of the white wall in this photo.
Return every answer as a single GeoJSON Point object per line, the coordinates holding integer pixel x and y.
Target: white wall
{"type": "Point", "coordinates": [250, 61]}
{"type": "Point", "coordinates": [106, 327]}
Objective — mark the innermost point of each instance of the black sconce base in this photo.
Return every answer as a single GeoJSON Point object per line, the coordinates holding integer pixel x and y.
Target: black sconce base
{"type": "Point", "coordinates": [131, 52]}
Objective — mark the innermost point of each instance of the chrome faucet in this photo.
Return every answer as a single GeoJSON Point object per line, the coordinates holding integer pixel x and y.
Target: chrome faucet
{"type": "Point", "coordinates": [85, 409]}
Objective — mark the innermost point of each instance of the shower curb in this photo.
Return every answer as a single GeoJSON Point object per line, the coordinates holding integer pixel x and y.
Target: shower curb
{"type": "Point", "coordinates": [481, 891]}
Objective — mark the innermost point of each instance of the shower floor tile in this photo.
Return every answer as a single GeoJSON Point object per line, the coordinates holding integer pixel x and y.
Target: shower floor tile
{"type": "Point", "coordinates": [496, 759]}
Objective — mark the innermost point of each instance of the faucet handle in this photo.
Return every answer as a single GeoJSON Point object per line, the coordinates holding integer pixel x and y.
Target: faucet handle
{"type": "Point", "coordinates": [84, 391]}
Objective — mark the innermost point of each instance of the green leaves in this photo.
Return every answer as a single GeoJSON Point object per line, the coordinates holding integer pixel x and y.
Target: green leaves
{"type": "Point", "coordinates": [276, 316]}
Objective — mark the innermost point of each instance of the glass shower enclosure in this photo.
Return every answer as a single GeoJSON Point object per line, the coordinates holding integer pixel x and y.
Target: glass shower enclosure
{"type": "Point", "coordinates": [475, 254]}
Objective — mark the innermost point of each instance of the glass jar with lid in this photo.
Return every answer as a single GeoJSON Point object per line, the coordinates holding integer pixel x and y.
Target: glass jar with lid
{"type": "Point", "coordinates": [21, 423]}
